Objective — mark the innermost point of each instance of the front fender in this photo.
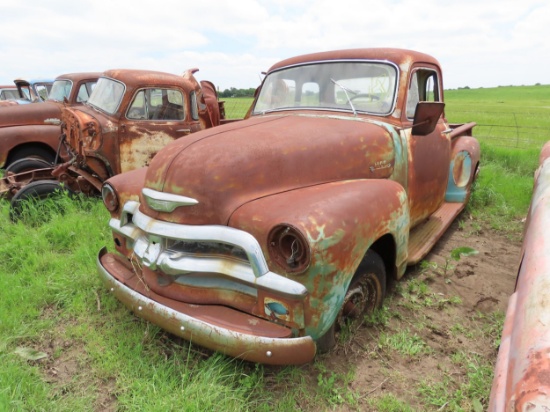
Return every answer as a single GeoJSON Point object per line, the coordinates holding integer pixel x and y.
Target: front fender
{"type": "Point", "coordinates": [16, 136]}
{"type": "Point", "coordinates": [340, 221]}
{"type": "Point", "coordinates": [127, 186]}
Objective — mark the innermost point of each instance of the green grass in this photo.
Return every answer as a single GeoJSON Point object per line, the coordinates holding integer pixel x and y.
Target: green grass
{"type": "Point", "coordinates": [236, 107]}
{"type": "Point", "coordinates": [53, 303]}
{"type": "Point", "coordinates": [514, 117]}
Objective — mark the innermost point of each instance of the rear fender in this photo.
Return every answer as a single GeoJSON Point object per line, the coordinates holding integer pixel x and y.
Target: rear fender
{"type": "Point", "coordinates": [462, 169]}
{"type": "Point", "coordinates": [339, 222]}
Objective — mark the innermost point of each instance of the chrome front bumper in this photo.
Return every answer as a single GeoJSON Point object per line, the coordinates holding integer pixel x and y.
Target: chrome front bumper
{"type": "Point", "coordinates": [231, 341]}
{"type": "Point", "coordinates": [146, 237]}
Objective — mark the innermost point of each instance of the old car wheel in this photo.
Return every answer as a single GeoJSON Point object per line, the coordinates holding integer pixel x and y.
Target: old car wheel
{"type": "Point", "coordinates": [365, 293]}
{"type": "Point", "coordinates": [27, 164]}
{"type": "Point", "coordinates": [34, 191]}
{"type": "Point", "coordinates": [31, 152]}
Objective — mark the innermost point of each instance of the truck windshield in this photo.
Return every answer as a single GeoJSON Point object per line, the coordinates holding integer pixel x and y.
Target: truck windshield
{"type": "Point", "coordinates": [367, 87]}
{"type": "Point", "coordinates": [107, 95]}
{"type": "Point", "coordinates": [60, 89]}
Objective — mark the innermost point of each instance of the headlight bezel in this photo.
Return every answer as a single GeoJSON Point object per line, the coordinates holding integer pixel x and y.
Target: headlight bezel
{"type": "Point", "coordinates": [110, 197]}
{"type": "Point", "coordinates": [289, 248]}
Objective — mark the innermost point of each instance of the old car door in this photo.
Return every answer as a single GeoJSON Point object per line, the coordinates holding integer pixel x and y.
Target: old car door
{"type": "Point", "coordinates": [155, 117]}
{"type": "Point", "coordinates": [428, 154]}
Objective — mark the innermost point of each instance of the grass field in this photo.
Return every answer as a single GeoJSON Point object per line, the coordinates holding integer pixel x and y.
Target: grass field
{"type": "Point", "coordinates": [67, 345]}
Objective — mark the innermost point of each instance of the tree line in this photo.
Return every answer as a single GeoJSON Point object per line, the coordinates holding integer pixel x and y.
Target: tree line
{"type": "Point", "coordinates": [234, 92]}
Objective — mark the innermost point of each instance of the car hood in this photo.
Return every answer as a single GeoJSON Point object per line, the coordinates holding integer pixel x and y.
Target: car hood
{"type": "Point", "coordinates": [227, 166]}
{"type": "Point", "coordinates": [29, 114]}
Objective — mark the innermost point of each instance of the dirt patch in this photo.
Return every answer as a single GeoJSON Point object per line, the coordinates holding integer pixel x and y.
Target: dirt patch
{"type": "Point", "coordinates": [66, 365]}
{"type": "Point", "coordinates": [446, 314]}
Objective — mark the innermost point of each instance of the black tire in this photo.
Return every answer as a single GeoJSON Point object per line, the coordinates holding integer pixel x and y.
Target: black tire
{"type": "Point", "coordinates": [365, 293]}
{"type": "Point", "coordinates": [27, 164]}
{"type": "Point", "coordinates": [33, 192]}
{"type": "Point", "coordinates": [35, 152]}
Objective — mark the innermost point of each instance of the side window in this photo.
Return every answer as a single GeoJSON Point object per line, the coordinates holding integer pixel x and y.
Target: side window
{"type": "Point", "coordinates": [194, 106]}
{"type": "Point", "coordinates": [42, 91]}
{"type": "Point", "coordinates": [424, 87]}
{"type": "Point", "coordinates": [157, 104]}
{"type": "Point", "coordinates": [84, 92]}
{"type": "Point", "coordinates": [137, 109]}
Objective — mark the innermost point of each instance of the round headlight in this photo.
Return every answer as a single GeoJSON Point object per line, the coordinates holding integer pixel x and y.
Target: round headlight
{"type": "Point", "coordinates": [110, 198]}
{"type": "Point", "coordinates": [289, 248]}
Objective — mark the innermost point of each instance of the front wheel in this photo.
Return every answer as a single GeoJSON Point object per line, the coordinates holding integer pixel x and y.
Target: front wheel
{"type": "Point", "coordinates": [365, 293]}
{"type": "Point", "coordinates": [35, 152]}
{"type": "Point", "coordinates": [33, 192]}
{"type": "Point", "coordinates": [27, 164]}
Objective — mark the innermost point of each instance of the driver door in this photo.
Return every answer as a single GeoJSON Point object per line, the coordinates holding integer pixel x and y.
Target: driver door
{"type": "Point", "coordinates": [155, 117]}
{"type": "Point", "coordinates": [429, 155]}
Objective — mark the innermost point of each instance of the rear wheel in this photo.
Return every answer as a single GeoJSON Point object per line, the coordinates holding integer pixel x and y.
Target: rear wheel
{"type": "Point", "coordinates": [365, 293]}
{"type": "Point", "coordinates": [33, 194]}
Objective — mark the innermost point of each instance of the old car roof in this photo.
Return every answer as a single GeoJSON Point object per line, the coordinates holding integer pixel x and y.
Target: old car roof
{"type": "Point", "coordinates": [140, 78]}
{"type": "Point", "coordinates": [79, 76]}
{"type": "Point", "coordinates": [397, 56]}
{"type": "Point", "coordinates": [32, 81]}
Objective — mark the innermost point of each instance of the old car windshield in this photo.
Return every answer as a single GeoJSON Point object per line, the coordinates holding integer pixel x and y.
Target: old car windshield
{"type": "Point", "coordinates": [61, 89]}
{"type": "Point", "coordinates": [360, 86]}
{"type": "Point", "coordinates": [107, 95]}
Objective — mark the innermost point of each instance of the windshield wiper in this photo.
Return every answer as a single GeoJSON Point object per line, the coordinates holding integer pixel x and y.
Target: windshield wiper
{"type": "Point", "coordinates": [346, 90]}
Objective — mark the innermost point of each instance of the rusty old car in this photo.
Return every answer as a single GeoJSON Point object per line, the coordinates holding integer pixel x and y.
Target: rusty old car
{"type": "Point", "coordinates": [8, 92]}
{"type": "Point", "coordinates": [130, 115]}
{"type": "Point", "coordinates": [522, 371]}
{"type": "Point", "coordinates": [28, 91]}
{"type": "Point", "coordinates": [32, 130]}
{"type": "Point", "coordinates": [262, 238]}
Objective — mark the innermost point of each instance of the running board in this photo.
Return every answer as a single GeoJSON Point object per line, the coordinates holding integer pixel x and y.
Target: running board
{"type": "Point", "coordinates": [424, 236]}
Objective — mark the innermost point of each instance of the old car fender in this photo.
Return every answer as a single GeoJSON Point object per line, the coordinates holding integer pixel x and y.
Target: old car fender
{"type": "Point", "coordinates": [122, 188]}
{"type": "Point", "coordinates": [463, 168]}
{"type": "Point", "coordinates": [521, 372]}
{"type": "Point", "coordinates": [17, 136]}
{"type": "Point", "coordinates": [334, 225]}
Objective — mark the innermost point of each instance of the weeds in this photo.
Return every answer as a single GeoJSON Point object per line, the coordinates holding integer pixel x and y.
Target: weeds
{"type": "Point", "coordinates": [334, 386]}
{"type": "Point", "coordinates": [404, 342]}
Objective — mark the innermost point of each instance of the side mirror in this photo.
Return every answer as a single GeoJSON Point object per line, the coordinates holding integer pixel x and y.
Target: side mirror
{"type": "Point", "coordinates": [426, 117]}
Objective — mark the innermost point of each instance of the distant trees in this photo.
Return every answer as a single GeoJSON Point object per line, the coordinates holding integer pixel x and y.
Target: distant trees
{"type": "Point", "coordinates": [234, 92]}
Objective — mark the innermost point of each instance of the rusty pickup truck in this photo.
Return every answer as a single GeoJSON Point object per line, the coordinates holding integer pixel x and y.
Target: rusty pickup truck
{"type": "Point", "coordinates": [32, 130]}
{"type": "Point", "coordinates": [130, 115]}
{"type": "Point", "coordinates": [28, 91]}
{"type": "Point", "coordinates": [262, 238]}
{"type": "Point", "coordinates": [8, 93]}
{"type": "Point", "coordinates": [522, 372]}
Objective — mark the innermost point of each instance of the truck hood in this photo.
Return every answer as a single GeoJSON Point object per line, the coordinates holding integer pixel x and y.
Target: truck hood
{"type": "Point", "coordinates": [227, 166]}
{"type": "Point", "coordinates": [29, 114]}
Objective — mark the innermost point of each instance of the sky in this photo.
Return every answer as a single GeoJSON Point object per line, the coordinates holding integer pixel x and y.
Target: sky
{"type": "Point", "coordinates": [479, 43]}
